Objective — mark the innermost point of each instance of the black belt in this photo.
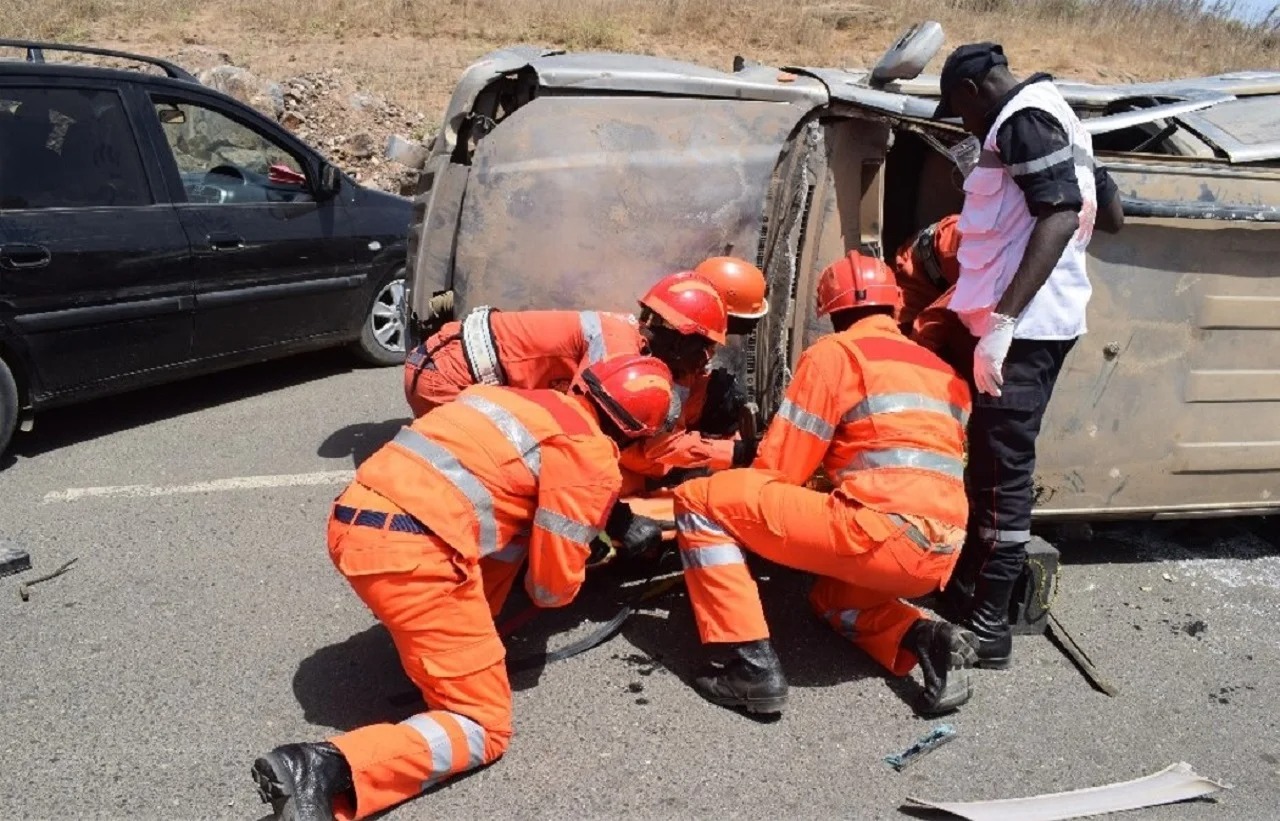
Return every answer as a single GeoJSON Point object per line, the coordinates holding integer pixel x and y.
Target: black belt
{"type": "Point", "coordinates": [380, 520]}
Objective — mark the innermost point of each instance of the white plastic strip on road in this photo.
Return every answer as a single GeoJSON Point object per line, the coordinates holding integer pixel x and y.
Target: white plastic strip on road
{"type": "Point", "coordinates": [329, 477]}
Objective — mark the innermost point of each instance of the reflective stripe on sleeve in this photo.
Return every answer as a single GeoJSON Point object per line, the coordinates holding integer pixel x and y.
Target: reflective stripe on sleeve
{"type": "Point", "coordinates": [462, 479]}
{"type": "Point", "coordinates": [806, 421]}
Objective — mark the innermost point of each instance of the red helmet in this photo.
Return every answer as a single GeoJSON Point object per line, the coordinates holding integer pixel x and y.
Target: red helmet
{"type": "Point", "coordinates": [633, 390]}
{"type": "Point", "coordinates": [689, 303]}
{"type": "Point", "coordinates": [857, 281]}
{"type": "Point", "coordinates": [740, 284]}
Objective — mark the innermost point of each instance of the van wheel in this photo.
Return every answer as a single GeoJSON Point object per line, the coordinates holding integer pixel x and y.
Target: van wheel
{"type": "Point", "coordinates": [382, 336]}
{"type": "Point", "coordinates": [9, 408]}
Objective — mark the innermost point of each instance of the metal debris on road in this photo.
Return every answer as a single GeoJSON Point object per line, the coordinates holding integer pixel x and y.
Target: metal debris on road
{"type": "Point", "coordinates": [1060, 637]}
{"type": "Point", "coordinates": [1177, 782]}
{"type": "Point", "coordinates": [24, 588]}
{"type": "Point", "coordinates": [929, 742]}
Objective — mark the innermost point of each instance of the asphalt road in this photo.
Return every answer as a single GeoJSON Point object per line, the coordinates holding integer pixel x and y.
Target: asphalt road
{"type": "Point", "coordinates": [203, 624]}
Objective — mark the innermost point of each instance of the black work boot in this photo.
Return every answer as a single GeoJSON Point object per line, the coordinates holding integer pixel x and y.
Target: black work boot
{"type": "Point", "coordinates": [956, 599]}
{"type": "Point", "coordinates": [752, 679]}
{"type": "Point", "coordinates": [301, 781]}
{"type": "Point", "coordinates": [989, 619]}
{"type": "Point", "coordinates": [946, 653]}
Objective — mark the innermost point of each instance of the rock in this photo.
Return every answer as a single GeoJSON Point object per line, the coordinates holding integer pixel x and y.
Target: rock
{"type": "Point", "coordinates": [247, 87]}
{"type": "Point", "coordinates": [364, 102]}
{"type": "Point", "coordinates": [360, 145]}
{"type": "Point", "coordinates": [292, 120]}
{"type": "Point", "coordinates": [197, 59]}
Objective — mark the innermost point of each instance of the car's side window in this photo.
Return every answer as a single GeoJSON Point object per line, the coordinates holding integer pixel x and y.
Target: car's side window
{"type": "Point", "coordinates": [225, 162]}
{"type": "Point", "coordinates": [68, 148]}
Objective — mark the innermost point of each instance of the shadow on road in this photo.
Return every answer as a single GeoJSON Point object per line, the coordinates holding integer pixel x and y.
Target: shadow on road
{"type": "Point", "coordinates": [1247, 537]}
{"type": "Point", "coordinates": [61, 427]}
{"type": "Point", "coordinates": [359, 441]}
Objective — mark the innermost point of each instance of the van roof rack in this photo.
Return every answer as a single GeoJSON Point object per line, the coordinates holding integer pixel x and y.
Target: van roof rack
{"type": "Point", "coordinates": [36, 50]}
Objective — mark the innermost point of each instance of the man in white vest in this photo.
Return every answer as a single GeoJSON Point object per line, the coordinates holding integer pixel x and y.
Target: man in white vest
{"type": "Point", "coordinates": [1030, 208]}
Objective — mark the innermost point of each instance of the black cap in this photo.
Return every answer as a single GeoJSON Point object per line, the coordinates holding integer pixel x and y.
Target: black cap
{"type": "Point", "coordinates": [968, 62]}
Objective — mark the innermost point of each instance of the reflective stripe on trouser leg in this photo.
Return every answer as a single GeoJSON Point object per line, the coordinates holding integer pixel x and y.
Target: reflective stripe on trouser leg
{"type": "Point", "coordinates": [726, 603]}
{"type": "Point", "coordinates": [873, 620]}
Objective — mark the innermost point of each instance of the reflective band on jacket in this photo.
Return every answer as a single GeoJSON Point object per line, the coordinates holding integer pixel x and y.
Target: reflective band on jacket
{"type": "Point", "coordinates": [805, 421]}
{"type": "Point", "coordinates": [512, 429]}
{"type": "Point", "coordinates": [847, 618]}
{"type": "Point", "coordinates": [563, 526]}
{"type": "Point", "coordinates": [1004, 535]}
{"type": "Point", "coordinates": [990, 159]}
{"type": "Point", "coordinates": [542, 596]}
{"type": "Point", "coordinates": [913, 533]}
{"type": "Point", "coordinates": [482, 350]}
{"type": "Point", "coordinates": [593, 334]}
{"type": "Point", "coordinates": [441, 746]}
{"type": "Point", "coordinates": [905, 458]}
{"type": "Point", "coordinates": [697, 523]}
{"type": "Point", "coordinates": [901, 402]}
{"type": "Point", "coordinates": [462, 479]}
{"type": "Point", "coordinates": [712, 555]}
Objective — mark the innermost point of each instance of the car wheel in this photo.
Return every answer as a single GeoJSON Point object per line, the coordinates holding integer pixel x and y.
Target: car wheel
{"type": "Point", "coordinates": [382, 336]}
{"type": "Point", "coordinates": [8, 406]}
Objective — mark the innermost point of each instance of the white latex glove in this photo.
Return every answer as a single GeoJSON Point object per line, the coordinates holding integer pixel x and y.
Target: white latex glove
{"type": "Point", "coordinates": [988, 356]}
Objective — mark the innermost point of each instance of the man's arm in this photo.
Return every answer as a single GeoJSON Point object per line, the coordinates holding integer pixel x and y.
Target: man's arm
{"type": "Point", "coordinates": [800, 433]}
{"type": "Point", "coordinates": [1110, 209]}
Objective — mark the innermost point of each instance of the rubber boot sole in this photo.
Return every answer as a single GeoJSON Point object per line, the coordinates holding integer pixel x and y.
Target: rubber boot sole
{"type": "Point", "coordinates": [273, 789]}
{"type": "Point", "coordinates": [752, 704]}
{"type": "Point", "coordinates": [962, 654]}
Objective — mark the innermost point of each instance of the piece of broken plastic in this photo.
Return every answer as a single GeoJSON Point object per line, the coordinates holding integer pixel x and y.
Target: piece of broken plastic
{"type": "Point", "coordinates": [1172, 784]}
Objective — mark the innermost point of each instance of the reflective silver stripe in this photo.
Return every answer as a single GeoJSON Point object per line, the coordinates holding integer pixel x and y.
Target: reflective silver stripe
{"type": "Point", "coordinates": [848, 621]}
{"type": "Point", "coordinates": [712, 555]}
{"type": "Point", "coordinates": [593, 334]}
{"type": "Point", "coordinates": [512, 429]}
{"type": "Point", "coordinates": [542, 596]}
{"type": "Point", "coordinates": [561, 525]}
{"type": "Point", "coordinates": [1004, 535]}
{"type": "Point", "coordinates": [697, 523]}
{"type": "Point", "coordinates": [805, 421]}
{"type": "Point", "coordinates": [515, 550]}
{"type": "Point", "coordinates": [901, 402]}
{"type": "Point", "coordinates": [482, 351]}
{"type": "Point", "coordinates": [461, 478]}
{"type": "Point", "coordinates": [906, 458]}
{"type": "Point", "coordinates": [475, 740]}
{"type": "Point", "coordinates": [1067, 152]}
{"type": "Point", "coordinates": [921, 541]}
{"type": "Point", "coordinates": [437, 741]}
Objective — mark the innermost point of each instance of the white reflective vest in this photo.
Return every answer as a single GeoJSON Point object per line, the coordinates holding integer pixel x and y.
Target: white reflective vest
{"type": "Point", "coordinates": [995, 226]}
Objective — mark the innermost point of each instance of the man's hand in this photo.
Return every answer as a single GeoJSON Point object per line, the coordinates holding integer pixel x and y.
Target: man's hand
{"type": "Point", "coordinates": [988, 356]}
{"type": "Point", "coordinates": [632, 535]}
{"type": "Point", "coordinates": [744, 452]}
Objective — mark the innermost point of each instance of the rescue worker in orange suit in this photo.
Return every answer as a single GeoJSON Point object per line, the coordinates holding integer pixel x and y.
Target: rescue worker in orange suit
{"type": "Point", "coordinates": [705, 436]}
{"type": "Point", "coordinates": [430, 536]}
{"type": "Point", "coordinates": [885, 418]}
{"type": "Point", "coordinates": [927, 270]}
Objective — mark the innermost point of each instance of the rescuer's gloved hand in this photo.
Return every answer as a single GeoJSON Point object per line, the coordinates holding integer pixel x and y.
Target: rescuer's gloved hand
{"type": "Point", "coordinates": [988, 356]}
{"type": "Point", "coordinates": [632, 535]}
{"type": "Point", "coordinates": [744, 452]}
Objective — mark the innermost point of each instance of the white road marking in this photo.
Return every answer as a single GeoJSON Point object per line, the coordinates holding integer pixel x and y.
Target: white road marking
{"type": "Point", "coordinates": [330, 477]}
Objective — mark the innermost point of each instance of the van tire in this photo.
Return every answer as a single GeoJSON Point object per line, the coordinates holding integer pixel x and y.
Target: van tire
{"type": "Point", "coordinates": [9, 407]}
{"type": "Point", "coordinates": [389, 294]}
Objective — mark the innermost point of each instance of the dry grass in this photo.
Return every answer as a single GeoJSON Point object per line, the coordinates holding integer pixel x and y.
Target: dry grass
{"type": "Point", "coordinates": [413, 50]}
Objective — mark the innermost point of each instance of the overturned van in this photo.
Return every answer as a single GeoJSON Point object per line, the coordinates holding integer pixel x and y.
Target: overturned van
{"type": "Point", "coordinates": [576, 180]}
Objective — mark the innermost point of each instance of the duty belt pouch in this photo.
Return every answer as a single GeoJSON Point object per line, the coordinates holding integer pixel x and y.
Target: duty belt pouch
{"type": "Point", "coordinates": [1034, 591]}
{"type": "Point", "coordinates": [480, 349]}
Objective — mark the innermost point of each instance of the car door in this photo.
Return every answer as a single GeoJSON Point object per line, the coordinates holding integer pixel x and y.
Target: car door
{"type": "Point", "coordinates": [94, 264]}
{"type": "Point", "coordinates": [273, 262]}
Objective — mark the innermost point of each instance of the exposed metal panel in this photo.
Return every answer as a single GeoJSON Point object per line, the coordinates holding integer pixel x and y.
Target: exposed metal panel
{"type": "Point", "coordinates": [1226, 457]}
{"type": "Point", "coordinates": [1239, 312]}
{"type": "Point", "coordinates": [1234, 386]}
{"type": "Point", "coordinates": [1128, 119]}
{"type": "Point", "coordinates": [845, 87]}
{"type": "Point", "coordinates": [478, 75]}
{"type": "Point", "coordinates": [583, 202]}
{"type": "Point", "coordinates": [655, 75]}
{"type": "Point", "coordinates": [1247, 130]}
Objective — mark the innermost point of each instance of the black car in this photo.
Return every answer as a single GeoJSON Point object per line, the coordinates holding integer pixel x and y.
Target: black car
{"type": "Point", "coordinates": [152, 228]}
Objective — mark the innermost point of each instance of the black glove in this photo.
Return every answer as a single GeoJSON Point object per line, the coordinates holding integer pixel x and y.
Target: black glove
{"type": "Point", "coordinates": [744, 452]}
{"type": "Point", "coordinates": [723, 408]}
{"type": "Point", "coordinates": [632, 535]}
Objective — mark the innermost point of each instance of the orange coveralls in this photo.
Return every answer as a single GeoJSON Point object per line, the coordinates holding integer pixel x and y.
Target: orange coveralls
{"type": "Point", "coordinates": [885, 418]}
{"type": "Point", "coordinates": [519, 349]}
{"type": "Point", "coordinates": [927, 270]}
{"type": "Point", "coordinates": [431, 535]}
{"type": "Point", "coordinates": [684, 447]}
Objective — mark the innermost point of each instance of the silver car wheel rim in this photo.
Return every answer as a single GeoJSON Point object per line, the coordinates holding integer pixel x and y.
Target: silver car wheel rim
{"type": "Point", "coordinates": [386, 319]}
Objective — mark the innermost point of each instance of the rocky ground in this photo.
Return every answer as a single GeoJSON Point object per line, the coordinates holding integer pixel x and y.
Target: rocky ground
{"type": "Point", "coordinates": [349, 126]}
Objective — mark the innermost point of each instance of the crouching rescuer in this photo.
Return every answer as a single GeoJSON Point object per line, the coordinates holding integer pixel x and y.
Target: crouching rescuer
{"type": "Point", "coordinates": [885, 418]}
{"type": "Point", "coordinates": [431, 535]}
